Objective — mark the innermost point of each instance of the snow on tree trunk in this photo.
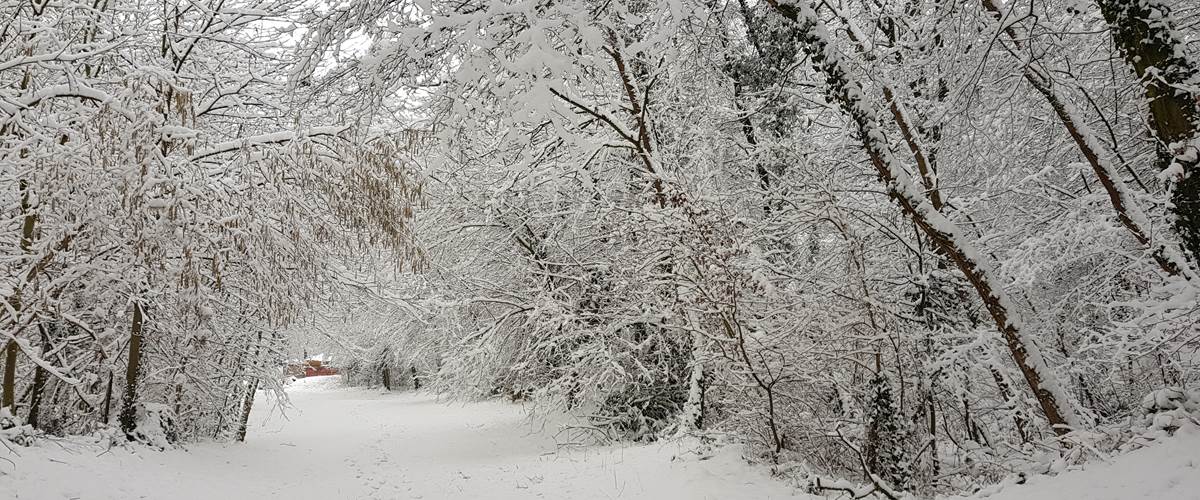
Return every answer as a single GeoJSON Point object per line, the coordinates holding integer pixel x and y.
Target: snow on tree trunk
{"type": "Point", "coordinates": [691, 418]}
{"type": "Point", "coordinates": [247, 404]}
{"type": "Point", "coordinates": [28, 221]}
{"type": "Point", "coordinates": [1144, 32]}
{"type": "Point", "coordinates": [39, 382]}
{"type": "Point", "coordinates": [1129, 214]}
{"type": "Point", "coordinates": [844, 90]}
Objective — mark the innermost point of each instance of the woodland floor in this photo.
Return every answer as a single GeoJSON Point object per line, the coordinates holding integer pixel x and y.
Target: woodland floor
{"type": "Point", "coordinates": [340, 443]}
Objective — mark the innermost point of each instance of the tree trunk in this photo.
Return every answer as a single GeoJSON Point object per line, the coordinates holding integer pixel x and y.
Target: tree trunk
{"type": "Point", "coordinates": [7, 394]}
{"type": "Point", "coordinates": [1093, 150]}
{"type": "Point", "coordinates": [900, 117]}
{"type": "Point", "coordinates": [247, 403]}
{"type": "Point", "coordinates": [107, 399]}
{"type": "Point", "coordinates": [248, 397]}
{"type": "Point", "coordinates": [35, 399]}
{"type": "Point", "coordinates": [692, 416]}
{"type": "Point", "coordinates": [10, 376]}
{"type": "Point", "coordinates": [844, 90]}
{"type": "Point", "coordinates": [934, 457]}
{"type": "Point", "coordinates": [1143, 32]}
{"type": "Point", "coordinates": [128, 416]}
{"type": "Point", "coordinates": [39, 382]}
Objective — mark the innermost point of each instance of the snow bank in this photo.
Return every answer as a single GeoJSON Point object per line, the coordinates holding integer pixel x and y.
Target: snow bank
{"type": "Point", "coordinates": [1167, 470]}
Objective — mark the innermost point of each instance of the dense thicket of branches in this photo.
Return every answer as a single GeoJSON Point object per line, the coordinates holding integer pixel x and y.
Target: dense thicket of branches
{"type": "Point", "coordinates": [914, 242]}
{"type": "Point", "coordinates": [168, 210]}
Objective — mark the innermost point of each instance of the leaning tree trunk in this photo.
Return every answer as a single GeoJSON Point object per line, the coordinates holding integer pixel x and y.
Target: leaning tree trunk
{"type": "Point", "coordinates": [1143, 32]}
{"type": "Point", "coordinates": [248, 398]}
{"type": "Point", "coordinates": [106, 413]}
{"type": "Point", "coordinates": [128, 416]}
{"type": "Point", "coordinates": [1093, 150]}
{"type": "Point", "coordinates": [849, 94]}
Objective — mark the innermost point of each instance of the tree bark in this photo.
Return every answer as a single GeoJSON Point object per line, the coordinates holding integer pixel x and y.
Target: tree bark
{"type": "Point", "coordinates": [39, 382]}
{"type": "Point", "coordinates": [128, 416]}
{"type": "Point", "coordinates": [901, 118]}
{"type": "Point", "coordinates": [850, 96]}
{"type": "Point", "coordinates": [10, 376]}
{"type": "Point", "coordinates": [248, 398]}
{"type": "Point", "coordinates": [1143, 32]}
{"type": "Point", "coordinates": [247, 403]}
{"type": "Point", "coordinates": [1093, 150]}
{"type": "Point", "coordinates": [107, 399]}
{"type": "Point", "coordinates": [692, 416]}
{"type": "Point", "coordinates": [35, 398]}
{"type": "Point", "coordinates": [9, 384]}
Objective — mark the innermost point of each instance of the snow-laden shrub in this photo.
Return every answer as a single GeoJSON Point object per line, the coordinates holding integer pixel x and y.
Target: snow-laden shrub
{"type": "Point", "coordinates": [156, 426]}
{"type": "Point", "coordinates": [1164, 411]}
{"type": "Point", "coordinates": [641, 413]}
{"type": "Point", "coordinates": [14, 430]}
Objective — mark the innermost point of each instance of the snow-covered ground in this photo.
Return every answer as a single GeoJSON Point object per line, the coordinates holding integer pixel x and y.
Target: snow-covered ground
{"type": "Point", "coordinates": [1169, 470]}
{"type": "Point", "coordinates": [339, 443]}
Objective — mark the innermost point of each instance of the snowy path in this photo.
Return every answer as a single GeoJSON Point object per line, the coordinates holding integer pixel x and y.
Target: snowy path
{"type": "Point", "coordinates": [342, 443]}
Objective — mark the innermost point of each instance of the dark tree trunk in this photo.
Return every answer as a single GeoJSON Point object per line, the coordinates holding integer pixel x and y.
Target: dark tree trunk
{"type": "Point", "coordinates": [385, 371]}
{"type": "Point", "coordinates": [10, 376]}
{"type": "Point", "coordinates": [935, 458]}
{"type": "Point", "coordinates": [9, 384]}
{"type": "Point", "coordinates": [35, 399]}
{"type": "Point", "coordinates": [1143, 32]}
{"type": "Point", "coordinates": [39, 382]}
{"type": "Point", "coordinates": [128, 416]}
{"type": "Point", "coordinates": [107, 399]}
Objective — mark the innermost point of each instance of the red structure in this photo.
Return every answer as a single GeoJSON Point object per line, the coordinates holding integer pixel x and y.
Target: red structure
{"type": "Point", "coordinates": [315, 367]}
